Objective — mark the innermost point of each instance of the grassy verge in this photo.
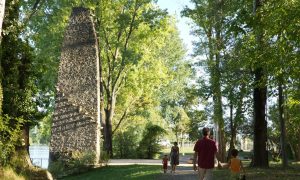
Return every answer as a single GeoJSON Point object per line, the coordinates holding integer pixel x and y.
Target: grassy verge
{"type": "Point", "coordinates": [185, 150]}
{"type": "Point", "coordinates": [144, 172]}
{"type": "Point", "coordinates": [149, 172]}
{"type": "Point", "coordinates": [9, 174]}
{"type": "Point", "coordinates": [274, 172]}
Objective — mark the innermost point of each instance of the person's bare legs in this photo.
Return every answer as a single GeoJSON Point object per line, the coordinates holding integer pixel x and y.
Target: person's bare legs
{"type": "Point", "coordinates": [205, 174]}
{"type": "Point", "coordinates": [173, 168]}
{"type": "Point", "coordinates": [201, 173]}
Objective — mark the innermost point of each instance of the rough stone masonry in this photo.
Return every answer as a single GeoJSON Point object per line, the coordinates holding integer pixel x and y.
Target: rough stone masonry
{"type": "Point", "coordinates": [76, 119]}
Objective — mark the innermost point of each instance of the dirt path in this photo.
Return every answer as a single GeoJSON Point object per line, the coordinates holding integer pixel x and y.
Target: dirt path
{"type": "Point", "coordinates": [182, 173]}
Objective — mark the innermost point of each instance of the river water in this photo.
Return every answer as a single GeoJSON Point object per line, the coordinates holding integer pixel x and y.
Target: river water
{"type": "Point", "coordinates": [39, 155]}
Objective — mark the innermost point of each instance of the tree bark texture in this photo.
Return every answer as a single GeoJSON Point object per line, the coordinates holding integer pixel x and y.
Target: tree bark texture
{"type": "Point", "coordinates": [232, 133]}
{"type": "Point", "coordinates": [260, 123]}
{"type": "Point", "coordinates": [260, 158]}
{"type": "Point", "coordinates": [282, 126]}
{"type": "Point", "coordinates": [111, 102]}
{"type": "Point", "coordinates": [217, 93]}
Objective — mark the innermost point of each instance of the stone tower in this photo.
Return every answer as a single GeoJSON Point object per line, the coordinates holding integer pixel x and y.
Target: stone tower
{"type": "Point", "coordinates": [76, 119]}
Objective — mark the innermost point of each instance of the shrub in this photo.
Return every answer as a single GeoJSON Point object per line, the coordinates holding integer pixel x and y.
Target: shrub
{"type": "Point", "coordinates": [9, 137]}
{"type": "Point", "coordinates": [81, 160]}
{"type": "Point", "coordinates": [149, 147]}
{"type": "Point", "coordinates": [77, 163]}
{"type": "Point", "coordinates": [104, 157]}
{"type": "Point", "coordinates": [57, 168]}
{"type": "Point", "coordinates": [125, 144]}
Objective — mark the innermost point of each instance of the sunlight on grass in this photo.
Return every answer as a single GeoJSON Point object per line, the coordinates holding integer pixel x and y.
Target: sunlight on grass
{"type": "Point", "coordinates": [9, 174]}
{"type": "Point", "coordinates": [150, 172]}
{"type": "Point", "coordinates": [185, 150]}
{"type": "Point", "coordinates": [145, 172]}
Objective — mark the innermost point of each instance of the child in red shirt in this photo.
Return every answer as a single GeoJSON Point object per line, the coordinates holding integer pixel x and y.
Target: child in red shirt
{"type": "Point", "coordinates": [165, 163]}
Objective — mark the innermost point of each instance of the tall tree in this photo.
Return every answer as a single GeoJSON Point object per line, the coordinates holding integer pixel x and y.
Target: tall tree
{"type": "Point", "coordinates": [209, 19]}
{"type": "Point", "coordinates": [18, 82]}
{"type": "Point", "coordinates": [132, 39]}
{"type": "Point", "coordinates": [283, 51]}
{"type": "Point", "coordinates": [122, 28]}
{"type": "Point", "coordinates": [260, 158]}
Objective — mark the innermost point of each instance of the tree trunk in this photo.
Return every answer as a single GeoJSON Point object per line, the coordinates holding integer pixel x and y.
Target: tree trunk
{"type": "Point", "coordinates": [108, 120]}
{"type": "Point", "coordinates": [297, 152]}
{"type": "Point", "coordinates": [24, 150]}
{"type": "Point", "coordinates": [176, 136]}
{"type": "Point", "coordinates": [218, 111]}
{"type": "Point", "coordinates": [25, 137]}
{"type": "Point", "coordinates": [282, 126]}
{"type": "Point", "coordinates": [102, 109]}
{"type": "Point", "coordinates": [260, 158]}
{"type": "Point", "coordinates": [232, 133]}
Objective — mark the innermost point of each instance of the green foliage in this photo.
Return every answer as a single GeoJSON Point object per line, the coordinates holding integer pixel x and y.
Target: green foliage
{"type": "Point", "coordinates": [10, 174]}
{"type": "Point", "coordinates": [19, 161]}
{"type": "Point", "coordinates": [104, 157]}
{"type": "Point", "coordinates": [82, 159]}
{"type": "Point", "coordinates": [41, 133]}
{"type": "Point", "coordinates": [140, 51]}
{"type": "Point", "coordinates": [194, 130]}
{"type": "Point", "coordinates": [57, 168]}
{"type": "Point", "coordinates": [78, 162]}
{"type": "Point", "coordinates": [148, 146]}
{"type": "Point", "coordinates": [9, 137]}
{"type": "Point", "coordinates": [292, 121]}
{"type": "Point", "coordinates": [125, 144]}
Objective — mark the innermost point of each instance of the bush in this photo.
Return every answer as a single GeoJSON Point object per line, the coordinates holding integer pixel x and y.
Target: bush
{"type": "Point", "coordinates": [125, 144]}
{"type": "Point", "coordinates": [81, 160]}
{"type": "Point", "coordinates": [9, 137]}
{"type": "Point", "coordinates": [77, 163]}
{"type": "Point", "coordinates": [57, 168]}
{"type": "Point", "coordinates": [149, 146]}
{"type": "Point", "coordinates": [104, 157]}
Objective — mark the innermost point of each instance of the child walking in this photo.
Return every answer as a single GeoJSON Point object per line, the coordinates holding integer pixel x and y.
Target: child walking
{"type": "Point", "coordinates": [235, 166]}
{"type": "Point", "coordinates": [165, 163]}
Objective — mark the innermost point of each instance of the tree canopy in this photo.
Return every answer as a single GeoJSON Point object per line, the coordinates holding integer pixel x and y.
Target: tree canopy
{"type": "Point", "coordinates": [149, 87]}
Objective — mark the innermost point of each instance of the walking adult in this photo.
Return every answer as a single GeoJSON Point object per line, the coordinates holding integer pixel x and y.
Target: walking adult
{"type": "Point", "coordinates": [174, 156]}
{"type": "Point", "coordinates": [205, 152]}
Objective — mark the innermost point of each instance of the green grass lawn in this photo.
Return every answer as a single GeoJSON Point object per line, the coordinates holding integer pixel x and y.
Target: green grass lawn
{"type": "Point", "coordinates": [144, 172]}
{"type": "Point", "coordinates": [185, 150]}
{"type": "Point", "coordinates": [149, 172]}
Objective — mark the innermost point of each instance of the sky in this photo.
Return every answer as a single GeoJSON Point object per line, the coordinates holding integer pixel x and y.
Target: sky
{"type": "Point", "coordinates": [184, 26]}
{"type": "Point", "coordinates": [174, 7]}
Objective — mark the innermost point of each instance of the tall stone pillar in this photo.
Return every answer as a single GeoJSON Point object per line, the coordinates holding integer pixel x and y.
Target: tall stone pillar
{"type": "Point", "coordinates": [76, 119]}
